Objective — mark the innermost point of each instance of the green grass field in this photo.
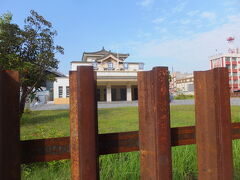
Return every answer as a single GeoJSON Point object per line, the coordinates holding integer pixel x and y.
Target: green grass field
{"type": "Point", "coordinates": [46, 124]}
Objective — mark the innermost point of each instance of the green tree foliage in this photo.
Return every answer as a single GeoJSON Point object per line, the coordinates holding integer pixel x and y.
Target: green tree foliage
{"type": "Point", "coordinates": [30, 51]}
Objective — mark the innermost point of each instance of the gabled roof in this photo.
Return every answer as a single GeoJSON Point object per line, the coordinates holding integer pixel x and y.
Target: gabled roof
{"type": "Point", "coordinates": [103, 52]}
{"type": "Point", "coordinates": [108, 56]}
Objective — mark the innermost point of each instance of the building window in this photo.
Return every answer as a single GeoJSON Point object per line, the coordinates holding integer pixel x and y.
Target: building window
{"type": "Point", "coordinates": [234, 58]}
{"type": "Point", "coordinates": [67, 91]}
{"type": "Point", "coordinates": [227, 59]}
{"type": "Point", "coordinates": [125, 65]}
{"type": "Point", "coordinates": [110, 65]}
{"type": "Point", "coordinates": [60, 91]}
{"type": "Point", "coordinates": [234, 67]}
{"type": "Point", "coordinates": [141, 65]}
{"type": "Point", "coordinates": [95, 65]}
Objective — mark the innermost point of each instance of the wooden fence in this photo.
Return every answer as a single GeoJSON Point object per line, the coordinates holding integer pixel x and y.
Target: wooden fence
{"type": "Point", "coordinates": [213, 133]}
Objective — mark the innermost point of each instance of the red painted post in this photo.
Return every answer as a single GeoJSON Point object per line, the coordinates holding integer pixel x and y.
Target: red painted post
{"type": "Point", "coordinates": [213, 125]}
{"type": "Point", "coordinates": [154, 125]}
{"type": "Point", "coordinates": [83, 124]}
{"type": "Point", "coordinates": [9, 126]}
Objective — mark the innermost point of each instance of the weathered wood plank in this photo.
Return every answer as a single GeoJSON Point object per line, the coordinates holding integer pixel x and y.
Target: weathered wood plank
{"type": "Point", "coordinates": [213, 125]}
{"type": "Point", "coordinates": [83, 124]}
{"type": "Point", "coordinates": [9, 126]}
{"type": "Point", "coordinates": [154, 124]}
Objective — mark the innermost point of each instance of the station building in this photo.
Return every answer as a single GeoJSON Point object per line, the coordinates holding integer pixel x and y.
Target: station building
{"type": "Point", "coordinates": [231, 60]}
{"type": "Point", "coordinates": [116, 78]}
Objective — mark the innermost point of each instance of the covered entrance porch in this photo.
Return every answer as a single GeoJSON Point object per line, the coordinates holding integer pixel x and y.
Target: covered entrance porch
{"type": "Point", "coordinates": [117, 92]}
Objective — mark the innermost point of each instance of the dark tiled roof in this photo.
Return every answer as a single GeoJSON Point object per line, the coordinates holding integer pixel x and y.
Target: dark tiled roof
{"type": "Point", "coordinates": [105, 53]}
{"type": "Point", "coordinates": [56, 73]}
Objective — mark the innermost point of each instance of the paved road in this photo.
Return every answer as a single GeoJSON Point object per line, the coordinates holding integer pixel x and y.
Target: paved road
{"type": "Point", "coordinates": [234, 101]}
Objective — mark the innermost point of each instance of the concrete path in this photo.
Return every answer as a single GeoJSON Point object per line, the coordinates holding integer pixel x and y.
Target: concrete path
{"type": "Point", "coordinates": [100, 105]}
{"type": "Point", "coordinates": [234, 101]}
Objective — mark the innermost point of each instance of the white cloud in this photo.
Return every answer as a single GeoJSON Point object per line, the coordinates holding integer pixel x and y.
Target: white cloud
{"type": "Point", "coordinates": [231, 3]}
{"type": "Point", "coordinates": [145, 3]}
{"type": "Point", "coordinates": [161, 30]}
{"type": "Point", "coordinates": [143, 35]}
{"type": "Point", "coordinates": [234, 18]}
{"type": "Point", "coordinates": [180, 7]}
{"type": "Point", "coordinates": [184, 21]}
{"type": "Point", "coordinates": [208, 15]}
{"type": "Point", "coordinates": [192, 13]}
{"type": "Point", "coordinates": [158, 20]}
{"type": "Point", "coordinates": [190, 52]}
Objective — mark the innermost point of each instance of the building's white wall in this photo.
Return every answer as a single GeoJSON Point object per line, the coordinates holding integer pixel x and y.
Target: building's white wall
{"type": "Point", "coordinates": [133, 67]}
{"type": "Point", "coordinates": [75, 65]}
{"type": "Point", "coordinates": [91, 59]}
{"type": "Point", "coordinates": [60, 81]}
{"type": "Point", "coordinates": [184, 88]}
{"type": "Point", "coordinates": [185, 85]}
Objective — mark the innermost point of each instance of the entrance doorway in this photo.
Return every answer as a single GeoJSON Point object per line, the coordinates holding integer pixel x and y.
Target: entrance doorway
{"type": "Point", "coordinates": [134, 93]}
{"type": "Point", "coordinates": [119, 93]}
{"type": "Point", "coordinates": [101, 93]}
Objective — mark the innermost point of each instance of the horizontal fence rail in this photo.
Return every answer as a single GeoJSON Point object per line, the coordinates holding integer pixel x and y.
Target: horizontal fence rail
{"type": "Point", "coordinates": [44, 150]}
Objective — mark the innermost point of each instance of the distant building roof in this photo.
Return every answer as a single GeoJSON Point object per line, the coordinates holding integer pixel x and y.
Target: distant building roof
{"type": "Point", "coordinates": [104, 53]}
{"type": "Point", "coordinates": [55, 72]}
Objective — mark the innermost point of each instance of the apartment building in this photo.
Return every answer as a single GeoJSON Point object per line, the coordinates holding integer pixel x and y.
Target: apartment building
{"type": "Point", "coordinates": [182, 83]}
{"type": "Point", "coordinates": [231, 60]}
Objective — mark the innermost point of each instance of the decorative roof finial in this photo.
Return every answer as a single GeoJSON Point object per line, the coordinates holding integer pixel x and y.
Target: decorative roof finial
{"type": "Point", "coordinates": [103, 48]}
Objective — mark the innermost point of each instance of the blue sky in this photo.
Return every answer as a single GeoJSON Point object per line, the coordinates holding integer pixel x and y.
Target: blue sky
{"type": "Point", "coordinates": [181, 34]}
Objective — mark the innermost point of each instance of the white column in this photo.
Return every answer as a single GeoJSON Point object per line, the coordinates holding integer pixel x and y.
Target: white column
{"type": "Point", "coordinates": [109, 93]}
{"type": "Point", "coordinates": [129, 93]}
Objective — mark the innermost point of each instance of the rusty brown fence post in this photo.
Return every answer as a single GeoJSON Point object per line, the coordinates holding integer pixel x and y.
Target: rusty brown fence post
{"type": "Point", "coordinates": [154, 125]}
{"type": "Point", "coordinates": [9, 126]}
{"type": "Point", "coordinates": [83, 124]}
{"type": "Point", "coordinates": [213, 125]}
